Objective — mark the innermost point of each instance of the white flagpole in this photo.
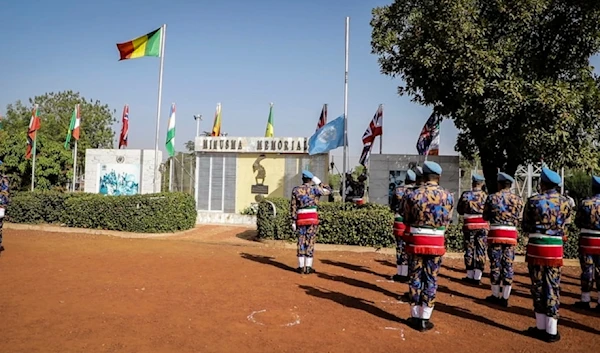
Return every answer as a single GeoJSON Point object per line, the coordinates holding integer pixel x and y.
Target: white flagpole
{"type": "Point", "coordinates": [171, 174]}
{"type": "Point", "coordinates": [380, 136]}
{"type": "Point", "coordinates": [34, 153]}
{"type": "Point", "coordinates": [74, 165]}
{"type": "Point", "coordinates": [346, 111]}
{"type": "Point", "coordinates": [160, 82]}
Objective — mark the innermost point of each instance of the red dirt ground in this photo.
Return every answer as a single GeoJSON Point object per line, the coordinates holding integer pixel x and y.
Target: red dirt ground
{"type": "Point", "coordinates": [83, 293]}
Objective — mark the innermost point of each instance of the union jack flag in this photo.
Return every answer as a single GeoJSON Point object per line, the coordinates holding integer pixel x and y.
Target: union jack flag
{"type": "Point", "coordinates": [323, 117]}
{"type": "Point", "coordinates": [375, 129]}
{"type": "Point", "coordinates": [428, 142]}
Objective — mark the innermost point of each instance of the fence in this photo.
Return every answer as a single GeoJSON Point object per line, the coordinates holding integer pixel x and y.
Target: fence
{"type": "Point", "coordinates": [184, 167]}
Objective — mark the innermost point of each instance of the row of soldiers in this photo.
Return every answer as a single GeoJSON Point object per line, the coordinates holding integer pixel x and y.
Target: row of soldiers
{"type": "Point", "coordinates": [423, 211]}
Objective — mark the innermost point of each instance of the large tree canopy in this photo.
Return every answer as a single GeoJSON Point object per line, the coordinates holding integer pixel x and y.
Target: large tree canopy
{"type": "Point", "coordinates": [53, 162]}
{"type": "Point", "coordinates": [514, 75]}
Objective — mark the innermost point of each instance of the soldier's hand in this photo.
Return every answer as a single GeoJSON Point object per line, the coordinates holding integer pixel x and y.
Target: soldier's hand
{"type": "Point", "coordinates": [294, 226]}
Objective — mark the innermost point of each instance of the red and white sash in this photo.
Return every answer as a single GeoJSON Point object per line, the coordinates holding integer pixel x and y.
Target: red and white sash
{"type": "Point", "coordinates": [307, 217]}
{"type": "Point", "coordinates": [503, 234]}
{"type": "Point", "coordinates": [474, 221]}
{"type": "Point", "coordinates": [545, 250]}
{"type": "Point", "coordinates": [589, 242]}
{"type": "Point", "coordinates": [426, 241]}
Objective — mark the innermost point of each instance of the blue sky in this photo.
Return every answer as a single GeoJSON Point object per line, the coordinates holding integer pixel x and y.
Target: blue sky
{"type": "Point", "coordinates": [244, 54]}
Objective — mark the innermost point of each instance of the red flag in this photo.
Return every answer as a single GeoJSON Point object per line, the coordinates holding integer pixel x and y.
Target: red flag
{"type": "Point", "coordinates": [34, 125]}
{"type": "Point", "coordinates": [125, 128]}
{"type": "Point", "coordinates": [323, 117]}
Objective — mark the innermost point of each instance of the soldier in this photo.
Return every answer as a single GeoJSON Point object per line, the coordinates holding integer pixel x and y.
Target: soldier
{"type": "Point", "coordinates": [399, 227]}
{"type": "Point", "coordinates": [545, 218]}
{"type": "Point", "coordinates": [588, 221]}
{"type": "Point", "coordinates": [475, 229]}
{"type": "Point", "coordinates": [4, 201]}
{"type": "Point", "coordinates": [503, 210]}
{"type": "Point", "coordinates": [305, 219]}
{"type": "Point", "coordinates": [428, 212]}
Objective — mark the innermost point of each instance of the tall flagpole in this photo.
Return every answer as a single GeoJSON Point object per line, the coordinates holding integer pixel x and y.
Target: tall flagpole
{"type": "Point", "coordinates": [160, 82]}
{"type": "Point", "coordinates": [346, 111]}
{"type": "Point", "coordinates": [34, 151]}
{"type": "Point", "coordinates": [171, 174]}
{"type": "Point", "coordinates": [74, 165]}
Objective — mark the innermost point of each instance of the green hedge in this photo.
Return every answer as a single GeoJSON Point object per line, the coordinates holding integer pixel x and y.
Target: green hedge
{"type": "Point", "coordinates": [151, 213]}
{"type": "Point", "coordinates": [366, 225]}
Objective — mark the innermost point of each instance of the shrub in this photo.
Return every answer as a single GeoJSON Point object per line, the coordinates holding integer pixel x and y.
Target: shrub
{"type": "Point", "coordinates": [366, 225]}
{"type": "Point", "coordinates": [151, 213]}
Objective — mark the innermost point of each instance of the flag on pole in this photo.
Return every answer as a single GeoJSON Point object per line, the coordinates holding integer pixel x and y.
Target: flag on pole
{"type": "Point", "coordinates": [270, 129]}
{"type": "Point", "coordinates": [1, 126]}
{"type": "Point", "coordinates": [146, 45]}
{"type": "Point", "coordinates": [171, 132]}
{"type": "Point", "coordinates": [323, 118]}
{"type": "Point", "coordinates": [216, 130]}
{"type": "Point", "coordinates": [327, 138]}
{"type": "Point", "coordinates": [34, 125]}
{"type": "Point", "coordinates": [374, 129]}
{"type": "Point", "coordinates": [124, 128]}
{"type": "Point", "coordinates": [73, 127]}
{"type": "Point", "coordinates": [428, 142]}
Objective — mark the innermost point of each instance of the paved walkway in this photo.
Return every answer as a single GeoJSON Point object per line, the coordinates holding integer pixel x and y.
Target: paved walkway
{"type": "Point", "coordinates": [228, 235]}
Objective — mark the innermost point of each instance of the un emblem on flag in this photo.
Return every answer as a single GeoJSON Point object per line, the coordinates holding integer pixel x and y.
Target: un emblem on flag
{"type": "Point", "coordinates": [329, 133]}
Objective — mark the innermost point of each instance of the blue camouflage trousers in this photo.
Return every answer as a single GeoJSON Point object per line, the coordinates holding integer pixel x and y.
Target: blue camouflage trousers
{"type": "Point", "coordinates": [401, 256]}
{"type": "Point", "coordinates": [307, 236]}
{"type": "Point", "coordinates": [475, 242]}
{"type": "Point", "coordinates": [590, 272]}
{"type": "Point", "coordinates": [545, 289]}
{"type": "Point", "coordinates": [423, 272]}
{"type": "Point", "coordinates": [501, 257]}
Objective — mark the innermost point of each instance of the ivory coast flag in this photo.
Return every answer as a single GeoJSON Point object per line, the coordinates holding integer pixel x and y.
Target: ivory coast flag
{"type": "Point", "coordinates": [73, 127]}
{"type": "Point", "coordinates": [216, 131]}
{"type": "Point", "coordinates": [270, 130]}
{"type": "Point", "coordinates": [146, 45]}
{"type": "Point", "coordinates": [170, 145]}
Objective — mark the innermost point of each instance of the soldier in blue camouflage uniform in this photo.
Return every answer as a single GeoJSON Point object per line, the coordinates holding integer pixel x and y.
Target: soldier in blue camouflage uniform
{"type": "Point", "coordinates": [503, 210]}
{"type": "Point", "coordinates": [428, 212]}
{"type": "Point", "coordinates": [303, 210]}
{"type": "Point", "coordinates": [545, 218]}
{"type": "Point", "coordinates": [588, 221]}
{"type": "Point", "coordinates": [397, 207]}
{"type": "Point", "coordinates": [4, 201]}
{"type": "Point", "coordinates": [470, 206]}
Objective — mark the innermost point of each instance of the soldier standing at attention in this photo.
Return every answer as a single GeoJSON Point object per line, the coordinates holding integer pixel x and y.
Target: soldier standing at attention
{"type": "Point", "coordinates": [545, 219]}
{"type": "Point", "coordinates": [503, 210]}
{"type": "Point", "coordinates": [475, 229]}
{"type": "Point", "coordinates": [305, 219]}
{"type": "Point", "coordinates": [588, 221]}
{"type": "Point", "coordinates": [4, 201]}
{"type": "Point", "coordinates": [428, 212]}
{"type": "Point", "coordinates": [399, 227]}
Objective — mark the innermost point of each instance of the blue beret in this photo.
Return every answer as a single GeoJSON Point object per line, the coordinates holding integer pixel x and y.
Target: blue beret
{"type": "Point", "coordinates": [505, 177]}
{"type": "Point", "coordinates": [477, 178]}
{"type": "Point", "coordinates": [418, 171]}
{"type": "Point", "coordinates": [595, 181]}
{"type": "Point", "coordinates": [430, 167]}
{"type": "Point", "coordinates": [307, 174]}
{"type": "Point", "coordinates": [550, 176]}
{"type": "Point", "coordinates": [410, 175]}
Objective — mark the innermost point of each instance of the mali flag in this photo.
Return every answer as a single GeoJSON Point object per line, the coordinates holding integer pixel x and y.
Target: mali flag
{"type": "Point", "coordinates": [216, 130]}
{"type": "Point", "coordinates": [146, 45]}
{"type": "Point", "coordinates": [270, 130]}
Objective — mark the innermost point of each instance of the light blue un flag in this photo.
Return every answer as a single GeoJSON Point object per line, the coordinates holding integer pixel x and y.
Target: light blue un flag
{"type": "Point", "coordinates": [327, 138]}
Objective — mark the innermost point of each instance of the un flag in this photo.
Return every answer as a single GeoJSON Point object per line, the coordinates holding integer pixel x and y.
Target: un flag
{"type": "Point", "coordinates": [327, 138]}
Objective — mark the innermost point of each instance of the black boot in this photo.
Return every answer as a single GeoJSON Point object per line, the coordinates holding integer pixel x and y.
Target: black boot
{"type": "Point", "coordinates": [492, 299]}
{"type": "Point", "coordinates": [425, 325]}
{"type": "Point", "coordinates": [552, 338]}
{"type": "Point", "coordinates": [535, 332]}
{"type": "Point", "coordinates": [582, 305]}
{"type": "Point", "coordinates": [300, 270]}
{"type": "Point", "coordinates": [503, 302]}
{"type": "Point", "coordinates": [308, 270]}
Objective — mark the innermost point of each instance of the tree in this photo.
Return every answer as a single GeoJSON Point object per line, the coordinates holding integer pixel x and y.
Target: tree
{"type": "Point", "coordinates": [513, 75]}
{"type": "Point", "coordinates": [190, 145]}
{"type": "Point", "coordinates": [53, 162]}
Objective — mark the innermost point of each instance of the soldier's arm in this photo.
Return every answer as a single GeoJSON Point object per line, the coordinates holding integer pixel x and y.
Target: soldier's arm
{"type": "Point", "coordinates": [568, 210]}
{"type": "Point", "coordinates": [322, 189]}
{"type": "Point", "coordinates": [527, 218]}
{"type": "Point", "coordinates": [293, 206]}
{"type": "Point", "coordinates": [406, 214]}
{"type": "Point", "coordinates": [487, 209]}
{"type": "Point", "coordinates": [450, 205]}
{"type": "Point", "coordinates": [461, 204]}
